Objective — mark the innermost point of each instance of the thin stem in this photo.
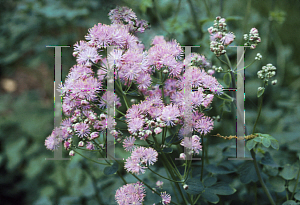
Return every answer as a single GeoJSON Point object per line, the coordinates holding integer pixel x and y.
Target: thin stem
{"type": "Point", "coordinates": [247, 65]}
{"type": "Point", "coordinates": [296, 184]}
{"type": "Point", "coordinates": [202, 160]}
{"type": "Point", "coordinates": [148, 186]}
{"type": "Point", "coordinates": [260, 179]}
{"type": "Point", "coordinates": [195, 19]}
{"type": "Point", "coordinates": [120, 175]}
{"type": "Point", "coordinates": [207, 9]}
{"type": "Point", "coordinates": [260, 107]}
{"type": "Point", "coordinates": [89, 158]}
{"type": "Point", "coordinates": [164, 177]}
{"type": "Point", "coordinates": [223, 62]}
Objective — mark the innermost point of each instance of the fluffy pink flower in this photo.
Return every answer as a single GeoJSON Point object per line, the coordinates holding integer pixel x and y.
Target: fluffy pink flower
{"type": "Point", "coordinates": [82, 129]}
{"type": "Point", "coordinates": [140, 156]}
{"type": "Point", "coordinates": [110, 98]}
{"type": "Point", "coordinates": [204, 125]}
{"type": "Point", "coordinates": [228, 38]}
{"type": "Point", "coordinates": [88, 55]}
{"type": "Point", "coordinates": [192, 143]}
{"type": "Point", "coordinates": [52, 142]}
{"type": "Point", "coordinates": [128, 143]}
{"type": "Point", "coordinates": [166, 198]}
{"type": "Point", "coordinates": [90, 146]}
{"type": "Point", "coordinates": [131, 194]}
{"type": "Point", "coordinates": [170, 114]}
{"type": "Point", "coordinates": [135, 124]}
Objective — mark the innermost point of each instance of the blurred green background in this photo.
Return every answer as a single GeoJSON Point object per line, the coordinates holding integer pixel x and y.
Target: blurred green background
{"type": "Point", "coordinates": [27, 75]}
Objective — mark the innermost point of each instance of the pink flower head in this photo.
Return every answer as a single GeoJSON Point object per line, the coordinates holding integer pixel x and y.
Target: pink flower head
{"type": "Point", "coordinates": [228, 38]}
{"type": "Point", "coordinates": [204, 125]}
{"type": "Point", "coordinates": [88, 55]}
{"type": "Point", "coordinates": [52, 142]}
{"type": "Point", "coordinates": [170, 114]}
{"type": "Point", "coordinates": [139, 156]}
{"type": "Point", "coordinates": [166, 198]}
{"type": "Point", "coordinates": [128, 143]}
{"type": "Point", "coordinates": [131, 194]}
{"type": "Point", "coordinates": [192, 143]}
{"type": "Point", "coordinates": [135, 124]}
{"type": "Point", "coordinates": [82, 129]}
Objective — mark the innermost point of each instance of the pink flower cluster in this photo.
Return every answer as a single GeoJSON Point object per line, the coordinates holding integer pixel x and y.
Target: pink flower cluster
{"type": "Point", "coordinates": [220, 37]}
{"type": "Point", "coordinates": [252, 38]}
{"type": "Point", "coordinates": [139, 157]}
{"type": "Point", "coordinates": [192, 144]}
{"type": "Point", "coordinates": [131, 194]}
{"type": "Point", "coordinates": [125, 15]}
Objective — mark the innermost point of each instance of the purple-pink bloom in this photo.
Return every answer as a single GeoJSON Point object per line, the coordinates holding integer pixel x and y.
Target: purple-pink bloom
{"type": "Point", "coordinates": [131, 194]}
{"type": "Point", "coordinates": [228, 38]}
{"type": "Point", "coordinates": [128, 143]}
{"type": "Point", "coordinates": [135, 124]}
{"type": "Point", "coordinates": [166, 198]}
{"type": "Point", "coordinates": [169, 114]}
{"type": "Point", "coordinates": [82, 129]}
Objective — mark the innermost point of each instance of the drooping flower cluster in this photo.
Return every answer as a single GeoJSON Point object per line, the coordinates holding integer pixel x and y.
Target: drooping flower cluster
{"type": "Point", "coordinates": [220, 37]}
{"type": "Point", "coordinates": [131, 194]}
{"type": "Point", "coordinates": [140, 158]}
{"type": "Point", "coordinates": [252, 38]}
{"type": "Point", "coordinates": [125, 15]}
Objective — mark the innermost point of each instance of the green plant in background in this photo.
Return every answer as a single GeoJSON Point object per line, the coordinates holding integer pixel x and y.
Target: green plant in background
{"type": "Point", "coordinates": [30, 182]}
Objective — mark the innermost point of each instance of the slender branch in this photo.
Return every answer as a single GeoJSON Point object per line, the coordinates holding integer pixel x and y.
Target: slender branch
{"type": "Point", "coordinates": [164, 177]}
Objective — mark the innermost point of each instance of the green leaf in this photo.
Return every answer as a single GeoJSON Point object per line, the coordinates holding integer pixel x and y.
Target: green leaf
{"type": "Point", "coordinates": [167, 150]}
{"type": "Point", "coordinates": [210, 196]}
{"type": "Point", "coordinates": [227, 106]}
{"type": "Point", "coordinates": [297, 196]}
{"type": "Point", "coordinates": [292, 185]}
{"type": "Point", "coordinates": [221, 188]}
{"type": "Point", "coordinates": [278, 184]}
{"type": "Point", "coordinates": [195, 186]}
{"type": "Point", "coordinates": [260, 92]}
{"type": "Point", "coordinates": [218, 169]}
{"type": "Point", "coordinates": [144, 4]}
{"type": "Point", "coordinates": [134, 93]}
{"type": "Point", "coordinates": [258, 139]}
{"type": "Point", "coordinates": [109, 170]}
{"type": "Point", "coordinates": [250, 144]}
{"type": "Point", "coordinates": [268, 160]}
{"type": "Point", "coordinates": [290, 202]}
{"type": "Point", "coordinates": [289, 172]}
{"type": "Point", "coordinates": [173, 139]}
{"type": "Point", "coordinates": [274, 144]}
{"type": "Point", "coordinates": [247, 173]}
{"type": "Point", "coordinates": [209, 181]}
{"type": "Point", "coordinates": [227, 79]}
{"type": "Point", "coordinates": [266, 142]}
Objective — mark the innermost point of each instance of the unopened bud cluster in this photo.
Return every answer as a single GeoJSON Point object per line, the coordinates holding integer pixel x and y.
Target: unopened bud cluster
{"type": "Point", "coordinates": [149, 127]}
{"type": "Point", "coordinates": [252, 38]}
{"type": "Point", "coordinates": [197, 60]}
{"type": "Point", "coordinates": [267, 72]}
{"type": "Point", "coordinates": [220, 37]}
{"type": "Point", "coordinates": [217, 69]}
{"type": "Point", "coordinates": [258, 57]}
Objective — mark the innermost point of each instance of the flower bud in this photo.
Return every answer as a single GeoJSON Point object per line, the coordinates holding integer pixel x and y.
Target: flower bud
{"type": "Point", "coordinates": [185, 186]}
{"type": "Point", "coordinates": [102, 117]}
{"type": "Point", "coordinates": [67, 145]}
{"type": "Point", "coordinates": [165, 71]}
{"type": "Point", "coordinates": [94, 135]}
{"type": "Point", "coordinates": [274, 82]}
{"type": "Point", "coordinates": [84, 102]}
{"type": "Point", "coordinates": [71, 153]}
{"type": "Point", "coordinates": [157, 130]}
{"type": "Point", "coordinates": [182, 156]}
{"type": "Point", "coordinates": [80, 144]}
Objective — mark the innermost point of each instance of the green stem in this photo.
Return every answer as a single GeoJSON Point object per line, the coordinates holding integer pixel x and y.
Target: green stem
{"type": "Point", "coordinates": [202, 158]}
{"type": "Point", "coordinates": [259, 111]}
{"type": "Point", "coordinates": [148, 186]}
{"type": "Point", "coordinates": [223, 62]}
{"type": "Point", "coordinates": [89, 158]}
{"type": "Point", "coordinates": [296, 185]}
{"type": "Point", "coordinates": [164, 177]}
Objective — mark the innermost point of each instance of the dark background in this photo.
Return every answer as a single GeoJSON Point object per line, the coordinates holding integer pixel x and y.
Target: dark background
{"type": "Point", "coordinates": [27, 73]}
